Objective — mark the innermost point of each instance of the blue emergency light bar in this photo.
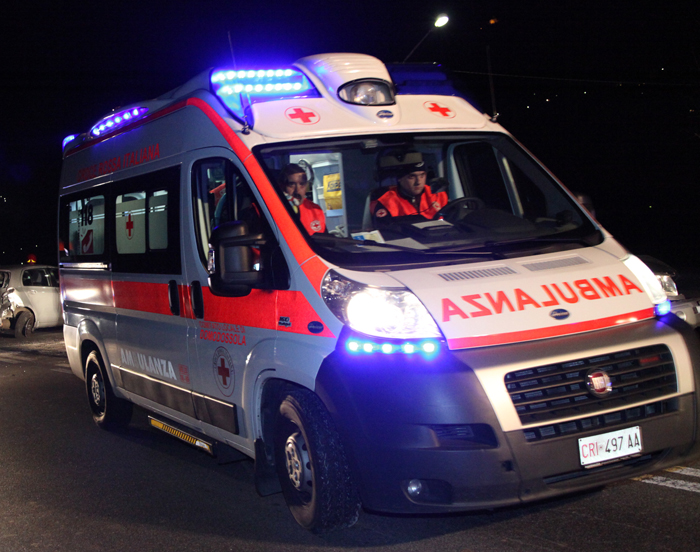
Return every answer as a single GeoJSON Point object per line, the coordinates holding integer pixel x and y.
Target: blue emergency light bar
{"type": "Point", "coordinates": [68, 139]}
{"type": "Point", "coordinates": [239, 88]}
{"type": "Point", "coordinates": [427, 347]}
{"type": "Point", "coordinates": [118, 120]}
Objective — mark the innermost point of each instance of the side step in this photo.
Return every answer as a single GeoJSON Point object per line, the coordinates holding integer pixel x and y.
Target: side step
{"type": "Point", "coordinates": [225, 454]}
{"type": "Point", "coordinates": [179, 434]}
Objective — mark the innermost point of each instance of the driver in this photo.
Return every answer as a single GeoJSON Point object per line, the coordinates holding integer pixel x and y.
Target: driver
{"type": "Point", "coordinates": [411, 195]}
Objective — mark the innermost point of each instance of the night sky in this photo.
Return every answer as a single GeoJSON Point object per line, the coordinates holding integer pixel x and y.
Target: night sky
{"type": "Point", "coordinates": [606, 94]}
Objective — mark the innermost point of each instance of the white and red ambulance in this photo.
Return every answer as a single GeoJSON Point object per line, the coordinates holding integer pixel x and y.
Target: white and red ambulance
{"type": "Point", "coordinates": [502, 350]}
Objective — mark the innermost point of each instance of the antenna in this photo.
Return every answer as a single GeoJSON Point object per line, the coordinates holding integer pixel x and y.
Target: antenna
{"type": "Point", "coordinates": [493, 94]}
{"type": "Point", "coordinates": [230, 45]}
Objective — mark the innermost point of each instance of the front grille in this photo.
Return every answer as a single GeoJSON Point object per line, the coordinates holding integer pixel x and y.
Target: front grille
{"type": "Point", "coordinates": [557, 391]}
{"type": "Point", "coordinates": [601, 422]}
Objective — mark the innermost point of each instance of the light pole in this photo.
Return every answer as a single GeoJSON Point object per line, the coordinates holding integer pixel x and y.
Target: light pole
{"type": "Point", "coordinates": [441, 21]}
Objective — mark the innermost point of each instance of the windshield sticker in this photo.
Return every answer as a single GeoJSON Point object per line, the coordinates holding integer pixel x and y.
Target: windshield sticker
{"type": "Point", "coordinates": [550, 295]}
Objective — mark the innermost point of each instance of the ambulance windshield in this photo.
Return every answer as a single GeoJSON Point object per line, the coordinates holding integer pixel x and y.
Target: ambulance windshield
{"type": "Point", "coordinates": [406, 198]}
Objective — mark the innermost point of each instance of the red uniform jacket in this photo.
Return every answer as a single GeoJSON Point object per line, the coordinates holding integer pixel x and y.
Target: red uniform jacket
{"type": "Point", "coordinates": [312, 218]}
{"type": "Point", "coordinates": [395, 204]}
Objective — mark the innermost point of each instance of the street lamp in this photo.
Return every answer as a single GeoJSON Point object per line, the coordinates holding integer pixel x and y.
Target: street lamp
{"type": "Point", "coordinates": [441, 21]}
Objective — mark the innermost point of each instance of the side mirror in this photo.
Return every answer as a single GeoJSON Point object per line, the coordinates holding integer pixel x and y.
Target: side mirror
{"type": "Point", "coordinates": [231, 259]}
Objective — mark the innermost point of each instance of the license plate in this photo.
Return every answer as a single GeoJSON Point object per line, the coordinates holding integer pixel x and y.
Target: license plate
{"type": "Point", "coordinates": [599, 449]}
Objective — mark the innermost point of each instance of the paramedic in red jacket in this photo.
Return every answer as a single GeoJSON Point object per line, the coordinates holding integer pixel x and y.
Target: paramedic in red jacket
{"type": "Point", "coordinates": [295, 184]}
{"type": "Point", "coordinates": [412, 195]}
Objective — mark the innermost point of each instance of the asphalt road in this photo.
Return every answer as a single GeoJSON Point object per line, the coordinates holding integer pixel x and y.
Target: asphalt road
{"type": "Point", "coordinates": [66, 485]}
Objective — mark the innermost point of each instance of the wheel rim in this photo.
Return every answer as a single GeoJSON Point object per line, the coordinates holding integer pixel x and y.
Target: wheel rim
{"type": "Point", "coordinates": [97, 391]}
{"type": "Point", "coordinates": [298, 463]}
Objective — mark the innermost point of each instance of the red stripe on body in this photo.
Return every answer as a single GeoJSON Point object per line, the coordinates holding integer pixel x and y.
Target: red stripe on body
{"type": "Point", "coordinates": [141, 296]}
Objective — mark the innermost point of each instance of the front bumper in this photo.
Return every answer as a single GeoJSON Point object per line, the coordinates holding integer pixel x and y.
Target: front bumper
{"type": "Point", "coordinates": [441, 422]}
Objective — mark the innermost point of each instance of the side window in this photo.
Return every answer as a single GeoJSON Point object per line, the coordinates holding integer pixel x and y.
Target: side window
{"type": "Point", "coordinates": [136, 211]}
{"type": "Point", "coordinates": [35, 277]}
{"type": "Point", "coordinates": [82, 228]}
{"type": "Point", "coordinates": [479, 170]}
{"type": "Point", "coordinates": [131, 223]}
{"type": "Point", "coordinates": [222, 194]}
{"type": "Point", "coordinates": [145, 221]}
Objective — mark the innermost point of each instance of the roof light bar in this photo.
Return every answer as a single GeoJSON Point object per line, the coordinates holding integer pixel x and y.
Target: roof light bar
{"type": "Point", "coordinates": [261, 85]}
{"type": "Point", "coordinates": [117, 120]}
{"type": "Point", "coordinates": [68, 139]}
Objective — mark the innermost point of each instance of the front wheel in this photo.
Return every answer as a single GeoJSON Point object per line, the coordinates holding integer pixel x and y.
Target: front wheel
{"type": "Point", "coordinates": [108, 410]}
{"type": "Point", "coordinates": [311, 465]}
{"type": "Point", "coordinates": [24, 326]}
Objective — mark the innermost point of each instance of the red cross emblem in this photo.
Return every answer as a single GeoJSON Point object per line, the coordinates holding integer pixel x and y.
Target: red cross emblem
{"type": "Point", "coordinates": [439, 109]}
{"type": "Point", "coordinates": [302, 116]}
{"type": "Point", "coordinates": [223, 371]}
{"type": "Point", "coordinates": [129, 226]}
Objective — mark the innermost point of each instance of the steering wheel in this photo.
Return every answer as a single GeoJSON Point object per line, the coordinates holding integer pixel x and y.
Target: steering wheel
{"type": "Point", "coordinates": [459, 208]}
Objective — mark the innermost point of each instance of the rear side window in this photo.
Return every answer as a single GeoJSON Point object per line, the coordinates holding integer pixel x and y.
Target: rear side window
{"type": "Point", "coordinates": [83, 225]}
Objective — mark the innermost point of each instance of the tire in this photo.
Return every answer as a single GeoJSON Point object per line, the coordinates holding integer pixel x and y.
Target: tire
{"type": "Point", "coordinates": [24, 326]}
{"type": "Point", "coordinates": [108, 411]}
{"type": "Point", "coordinates": [312, 466]}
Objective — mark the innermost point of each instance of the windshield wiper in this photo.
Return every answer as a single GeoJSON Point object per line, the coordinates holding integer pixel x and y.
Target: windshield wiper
{"type": "Point", "coordinates": [339, 243]}
{"type": "Point", "coordinates": [587, 241]}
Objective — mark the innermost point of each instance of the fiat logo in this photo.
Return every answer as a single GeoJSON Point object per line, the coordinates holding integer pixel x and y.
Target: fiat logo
{"type": "Point", "coordinates": [559, 314]}
{"type": "Point", "coordinates": [598, 382]}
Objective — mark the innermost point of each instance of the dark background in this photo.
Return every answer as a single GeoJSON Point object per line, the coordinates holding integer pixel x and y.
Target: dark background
{"type": "Point", "coordinates": [607, 95]}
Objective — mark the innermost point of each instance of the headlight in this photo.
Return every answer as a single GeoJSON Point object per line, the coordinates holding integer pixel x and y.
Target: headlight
{"type": "Point", "coordinates": [389, 313]}
{"type": "Point", "coordinates": [668, 285]}
{"type": "Point", "coordinates": [650, 283]}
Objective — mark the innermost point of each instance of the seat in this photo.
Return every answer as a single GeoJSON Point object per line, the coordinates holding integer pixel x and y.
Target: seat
{"type": "Point", "coordinates": [370, 203]}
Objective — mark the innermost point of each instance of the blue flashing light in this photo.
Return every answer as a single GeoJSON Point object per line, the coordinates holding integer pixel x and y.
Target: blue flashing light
{"type": "Point", "coordinates": [117, 120]}
{"type": "Point", "coordinates": [662, 308]}
{"type": "Point", "coordinates": [68, 139]}
{"type": "Point", "coordinates": [262, 85]}
{"type": "Point", "coordinates": [428, 347]}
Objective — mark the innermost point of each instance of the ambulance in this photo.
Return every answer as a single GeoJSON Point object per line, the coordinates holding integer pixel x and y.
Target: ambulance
{"type": "Point", "coordinates": [504, 350]}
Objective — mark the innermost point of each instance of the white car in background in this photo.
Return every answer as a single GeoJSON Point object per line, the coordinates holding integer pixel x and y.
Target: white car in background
{"type": "Point", "coordinates": [29, 299]}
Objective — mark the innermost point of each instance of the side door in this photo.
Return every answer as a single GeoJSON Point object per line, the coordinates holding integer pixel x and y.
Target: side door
{"type": "Point", "coordinates": [41, 290]}
{"type": "Point", "coordinates": [233, 334]}
{"type": "Point", "coordinates": [152, 353]}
